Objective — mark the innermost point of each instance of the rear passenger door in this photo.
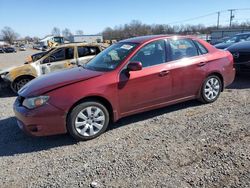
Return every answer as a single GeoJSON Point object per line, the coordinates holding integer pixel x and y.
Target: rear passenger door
{"type": "Point", "coordinates": [188, 67]}
{"type": "Point", "coordinates": [86, 53]}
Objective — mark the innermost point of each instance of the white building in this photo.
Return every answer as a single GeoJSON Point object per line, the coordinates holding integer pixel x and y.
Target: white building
{"type": "Point", "coordinates": [86, 38]}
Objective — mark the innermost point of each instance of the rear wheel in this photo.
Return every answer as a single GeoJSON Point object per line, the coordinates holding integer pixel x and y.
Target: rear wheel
{"type": "Point", "coordinates": [211, 89]}
{"type": "Point", "coordinates": [19, 83]}
{"type": "Point", "coordinates": [88, 120]}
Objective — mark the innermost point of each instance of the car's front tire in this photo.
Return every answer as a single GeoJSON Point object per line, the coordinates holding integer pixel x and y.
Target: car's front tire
{"type": "Point", "coordinates": [87, 120]}
{"type": "Point", "coordinates": [211, 89]}
{"type": "Point", "coordinates": [19, 83]}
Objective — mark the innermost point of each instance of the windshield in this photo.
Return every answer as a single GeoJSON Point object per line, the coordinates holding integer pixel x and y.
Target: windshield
{"type": "Point", "coordinates": [111, 57]}
{"type": "Point", "coordinates": [231, 40]}
{"type": "Point", "coordinates": [238, 38]}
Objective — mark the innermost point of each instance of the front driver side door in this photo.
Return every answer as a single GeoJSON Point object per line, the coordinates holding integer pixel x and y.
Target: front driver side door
{"type": "Point", "coordinates": [62, 58]}
{"type": "Point", "coordinates": [149, 87]}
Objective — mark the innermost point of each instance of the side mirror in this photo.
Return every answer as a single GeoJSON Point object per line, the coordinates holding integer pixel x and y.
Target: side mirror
{"type": "Point", "coordinates": [134, 66]}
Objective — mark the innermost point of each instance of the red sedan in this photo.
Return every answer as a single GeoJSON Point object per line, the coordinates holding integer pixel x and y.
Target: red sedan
{"type": "Point", "coordinates": [129, 77]}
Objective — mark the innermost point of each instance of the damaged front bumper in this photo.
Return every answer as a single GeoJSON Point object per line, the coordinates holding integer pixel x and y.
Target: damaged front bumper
{"type": "Point", "coordinates": [4, 81]}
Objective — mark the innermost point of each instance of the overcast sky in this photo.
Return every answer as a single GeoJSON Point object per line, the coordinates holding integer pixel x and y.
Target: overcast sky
{"type": "Point", "coordinates": [38, 17]}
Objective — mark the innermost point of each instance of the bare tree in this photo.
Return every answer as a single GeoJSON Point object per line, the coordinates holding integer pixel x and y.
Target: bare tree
{"type": "Point", "coordinates": [28, 38]}
{"type": "Point", "coordinates": [35, 39]}
{"type": "Point", "coordinates": [9, 35]}
{"type": "Point", "coordinates": [56, 31]}
{"type": "Point", "coordinates": [66, 33]}
{"type": "Point", "coordinates": [79, 32]}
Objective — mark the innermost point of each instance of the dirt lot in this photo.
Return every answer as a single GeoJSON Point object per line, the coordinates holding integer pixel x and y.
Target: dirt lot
{"type": "Point", "coordinates": [185, 145]}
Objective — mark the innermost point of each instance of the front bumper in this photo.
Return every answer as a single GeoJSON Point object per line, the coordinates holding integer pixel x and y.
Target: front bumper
{"type": "Point", "coordinates": [42, 121]}
{"type": "Point", "coordinates": [242, 66]}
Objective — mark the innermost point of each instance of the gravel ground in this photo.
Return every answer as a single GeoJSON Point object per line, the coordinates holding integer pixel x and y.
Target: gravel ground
{"type": "Point", "coordinates": [14, 59]}
{"type": "Point", "coordinates": [184, 145]}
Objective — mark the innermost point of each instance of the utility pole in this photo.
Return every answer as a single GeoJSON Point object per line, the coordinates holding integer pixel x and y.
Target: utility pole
{"type": "Point", "coordinates": [231, 16]}
{"type": "Point", "coordinates": [218, 20]}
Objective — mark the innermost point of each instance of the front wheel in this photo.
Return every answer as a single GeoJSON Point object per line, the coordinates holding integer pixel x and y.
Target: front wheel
{"type": "Point", "coordinates": [88, 120]}
{"type": "Point", "coordinates": [19, 83]}
{"type": "Point", "coordinates": [211, 89]}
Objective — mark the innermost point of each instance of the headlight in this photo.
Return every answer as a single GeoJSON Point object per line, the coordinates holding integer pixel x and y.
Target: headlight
{"type": "Point", "coordinates": [35, 102]}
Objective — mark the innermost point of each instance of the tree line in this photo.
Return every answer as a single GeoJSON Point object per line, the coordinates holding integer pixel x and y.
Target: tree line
{"type": "Point", "coordinates": [9, 35]}
{"type": "Point", "coordinates": [137, 28]}
{"type": "Point", "coordinates": [132, 29]}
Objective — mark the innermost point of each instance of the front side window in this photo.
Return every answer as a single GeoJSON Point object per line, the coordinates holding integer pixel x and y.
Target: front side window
{"type": "Point", "coordinates": [87, 50]}
{"type": "Point", "coordinates": [152, 54]}
{"type": "Point", "coordinates": [111, 57]}
{"type": "Point", "coordinates": [182, 48]}
{"type": "Point", "coordinates": [60, 55]}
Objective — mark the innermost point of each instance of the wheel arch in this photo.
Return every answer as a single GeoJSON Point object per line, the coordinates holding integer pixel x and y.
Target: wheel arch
{"type": "Point", "coordinates": [220, 76]}
{"type": "Point", "coordinates": [95, 98]}
{"type": "Point", "coordinates": [20, 77]}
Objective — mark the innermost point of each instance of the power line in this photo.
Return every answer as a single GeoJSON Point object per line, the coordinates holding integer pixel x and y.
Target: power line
{"type": "Point", "coordinates": [203, 16]}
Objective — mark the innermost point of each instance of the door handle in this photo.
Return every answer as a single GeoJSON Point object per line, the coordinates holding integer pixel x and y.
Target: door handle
{"type": "Point", "coordinates": [163, 73]}
{"type": "Point", "coordinates": [48, 64]}
{"type": "Point", "coordinates": [201, 64]}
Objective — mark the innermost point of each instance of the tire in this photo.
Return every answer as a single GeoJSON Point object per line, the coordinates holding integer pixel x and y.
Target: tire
{"type": "Point", "coordinates": [19, 83]}
{"type": "Point", "coordinates": [211, 89]}
{"type": "Point", "coordinates": [88, 120]}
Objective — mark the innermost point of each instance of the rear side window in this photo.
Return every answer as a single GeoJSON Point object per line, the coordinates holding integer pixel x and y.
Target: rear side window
{"type": "Point", "coordinates": [86, 50]}
{"type": "Point", "coordinates": [181, 48]}
{"type": "Point", "coordinates": [82, 51]}
{"type": "Point", "coordinates": [202, 49]}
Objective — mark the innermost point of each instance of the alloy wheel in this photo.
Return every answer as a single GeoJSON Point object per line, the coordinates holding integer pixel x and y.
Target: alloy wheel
{"type": "Point", "coordinates": [89, 121]}
{"type": "Point", "coordinates": [21, 83]}
{"type": "Point", "coordinates": [212, 88]}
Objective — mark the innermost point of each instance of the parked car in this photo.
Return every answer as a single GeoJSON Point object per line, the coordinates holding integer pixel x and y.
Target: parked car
{"type": "Point", "coordinates": [1, 50]}
{"type": "Point", "coordinates": [37, 47]}
{"type": "Point", "coordinates": [235, 39]}
{"type": "Point", "coordinates": [241, 54]}
{"type": "Point", "coordinates": [9, 50]}
{"type": "Point", "coordinates": [131, 76]}
{"type": "Point", "coordinates": [22, 48]}
{"type": "Point", "coordinates": [58, 58]}
{"type": "Point", "coordinates": [222, 40]}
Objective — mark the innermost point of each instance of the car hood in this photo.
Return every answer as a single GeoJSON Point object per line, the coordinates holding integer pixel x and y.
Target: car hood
{"type": "Point", "coordinates": [6, 70]}
{"type": "Point", "coordinates": [56, 80]}
{"type": "Point", "coordinates": [222, 45]}
{"type": "Point", "coordinates": [240, 47]}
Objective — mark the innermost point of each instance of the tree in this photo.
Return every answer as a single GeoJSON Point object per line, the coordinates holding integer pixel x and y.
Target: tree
{"type": "Point", "coordinates": [56, 31]}
{"type": "Point", "coordinates": [79, 32]}
{"type": "Point", "coordinates": [9, 35]}
{"type": "Point", "coordinates": [28, 38]}
{"type": "Point", "coordinates": [66, 33]}
{"type": "Point", "coordinates": [35, 39]}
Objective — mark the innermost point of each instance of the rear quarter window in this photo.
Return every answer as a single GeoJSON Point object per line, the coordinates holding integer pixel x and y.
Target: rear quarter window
{"type": "Point", "coordinates": [201, 48]}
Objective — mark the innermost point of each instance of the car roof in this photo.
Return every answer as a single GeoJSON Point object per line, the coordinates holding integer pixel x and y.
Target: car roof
{"type": "Point", "coordinates": [78, 44]}
{"type": "Point", "coordinates": [148, 38]}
